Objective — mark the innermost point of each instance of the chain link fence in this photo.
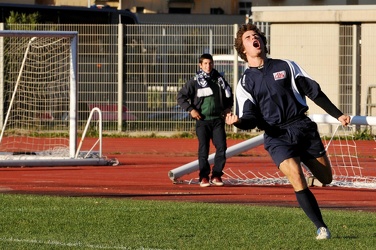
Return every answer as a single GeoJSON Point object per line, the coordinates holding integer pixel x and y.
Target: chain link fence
{"type": "Point", "coordinates": [133, 72]}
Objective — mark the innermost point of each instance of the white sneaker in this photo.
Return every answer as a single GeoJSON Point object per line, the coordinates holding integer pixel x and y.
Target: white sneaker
{"type": "Point", "coordinates": [323, 233]}
{"type": "Point", "coordinates": [217, 181]}
{"type": "Point", "coordinates": [204, 182]}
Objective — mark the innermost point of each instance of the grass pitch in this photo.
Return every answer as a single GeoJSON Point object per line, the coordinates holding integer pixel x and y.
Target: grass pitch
{"type": "Point", "coordinates": [45, 222]}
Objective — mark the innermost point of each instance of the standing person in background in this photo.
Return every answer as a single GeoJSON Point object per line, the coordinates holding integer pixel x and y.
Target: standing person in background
{"type": "Point", "coordinates": [271, 95]}
{"type": "Point", "coordinates": [208, 98]}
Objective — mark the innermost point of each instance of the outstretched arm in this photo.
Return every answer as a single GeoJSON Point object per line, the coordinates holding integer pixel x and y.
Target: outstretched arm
{"type": "Point", "coordinates": [313, 91]}
{"type": "Point", "coordinates": [323, 101]}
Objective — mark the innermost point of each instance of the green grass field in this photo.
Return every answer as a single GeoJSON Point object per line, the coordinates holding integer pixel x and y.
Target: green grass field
{"type": "Point", "coordinates": [45, 222]}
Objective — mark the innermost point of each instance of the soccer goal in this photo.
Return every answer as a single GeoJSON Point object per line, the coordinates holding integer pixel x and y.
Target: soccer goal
{"type": "Point", "coordinates": [38, 98]}
{"type": "Point", "coordinates": [352, 165]}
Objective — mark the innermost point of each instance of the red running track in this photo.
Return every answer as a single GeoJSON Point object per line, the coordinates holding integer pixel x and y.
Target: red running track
{"type": "Point", "coordinates": [143, 174]}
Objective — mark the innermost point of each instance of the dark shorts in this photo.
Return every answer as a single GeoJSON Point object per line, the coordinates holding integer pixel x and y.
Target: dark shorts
{"type": "Point", "coordinates": [297, 139]}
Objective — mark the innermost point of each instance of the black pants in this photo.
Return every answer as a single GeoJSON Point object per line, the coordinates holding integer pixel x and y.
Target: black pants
{"type": "Point", "coordinates": [211, 130]}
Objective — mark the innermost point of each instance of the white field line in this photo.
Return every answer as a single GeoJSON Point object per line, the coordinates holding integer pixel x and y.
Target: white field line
{"type": "Point", "coordinates": [78, 244]}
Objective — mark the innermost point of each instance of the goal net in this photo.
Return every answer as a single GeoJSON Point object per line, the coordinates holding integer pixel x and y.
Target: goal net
{"type": "Point", "coordinates": [352, 160]}
{"type": "Point", "coordinates": [38, 92]}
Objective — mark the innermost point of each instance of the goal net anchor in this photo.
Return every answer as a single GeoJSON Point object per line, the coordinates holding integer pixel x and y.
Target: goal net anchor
{"type": "Point", "coordinates": [82, 158]}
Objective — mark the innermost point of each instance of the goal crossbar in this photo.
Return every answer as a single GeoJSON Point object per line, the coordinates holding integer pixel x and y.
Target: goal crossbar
{"type": "Point", "coordinates": [26, 33]}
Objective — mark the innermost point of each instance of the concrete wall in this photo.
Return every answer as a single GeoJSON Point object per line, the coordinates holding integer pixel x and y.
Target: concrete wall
{"type": "Point", "coordinates": [309, 2]}
{"type": "Point", "coordinates": [368, 64]}
{"type": "Point", "coordinates": [320, 14]}
{"type": "Point", "coordinates": [315, 48]}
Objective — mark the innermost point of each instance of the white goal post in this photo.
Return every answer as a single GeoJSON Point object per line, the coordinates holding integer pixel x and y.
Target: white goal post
{"type": "Point", "coordinates": [38, 99]}
{"type": "Point", "coordinates": [346, 170]}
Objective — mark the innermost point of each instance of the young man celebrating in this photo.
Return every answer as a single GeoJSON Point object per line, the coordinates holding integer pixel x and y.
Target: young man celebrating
{"type": "Point", "coordinates": [271, 95]}
{"type": "Point", "coordinates": [208, 98]}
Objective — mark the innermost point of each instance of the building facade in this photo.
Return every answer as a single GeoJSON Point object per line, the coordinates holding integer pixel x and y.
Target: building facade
{"type": "Point", "coordinates": [221, 7]}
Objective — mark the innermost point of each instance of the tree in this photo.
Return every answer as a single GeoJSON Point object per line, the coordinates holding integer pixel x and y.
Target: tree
{"type": "Point", "coordinates": [22, 18]}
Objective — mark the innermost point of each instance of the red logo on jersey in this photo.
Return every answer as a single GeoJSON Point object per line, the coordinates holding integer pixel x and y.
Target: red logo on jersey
{"type": "Point", "coordinates": [279, 75]}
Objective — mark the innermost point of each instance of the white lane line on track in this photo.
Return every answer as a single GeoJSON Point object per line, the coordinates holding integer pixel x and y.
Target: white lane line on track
{"type": "Point", "coordinates": [78, 244]}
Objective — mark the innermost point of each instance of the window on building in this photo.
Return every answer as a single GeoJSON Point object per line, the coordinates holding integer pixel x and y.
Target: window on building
{"type": "Point", "coordinates": [217, 11]}
{"type": "Point", "coordinates": [179, 10]}
{"type": "Point", "coordinates": [245, 7]}
{"type": "Point", "coordinates": [140, 9]}
{"type": "Point", "coordinates": [245, 4]}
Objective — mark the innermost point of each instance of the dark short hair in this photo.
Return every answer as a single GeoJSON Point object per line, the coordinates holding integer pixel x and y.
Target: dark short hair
{"type": "Point", "coordinates": [205, 56]}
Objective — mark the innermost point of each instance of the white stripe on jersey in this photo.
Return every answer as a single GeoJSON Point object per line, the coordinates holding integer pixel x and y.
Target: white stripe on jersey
{"type": "Point", "coordinates": [242, 96]}
{"type": "Point", "coordinates": [296, 71]}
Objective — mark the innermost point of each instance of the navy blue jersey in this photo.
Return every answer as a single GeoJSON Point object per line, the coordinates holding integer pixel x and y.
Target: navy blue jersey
{"type": "Point", "coordinates": [276, 94]}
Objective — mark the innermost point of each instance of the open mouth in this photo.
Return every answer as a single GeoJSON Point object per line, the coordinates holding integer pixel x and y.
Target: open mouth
{"type": "Point", "coordinates": [256, 44]}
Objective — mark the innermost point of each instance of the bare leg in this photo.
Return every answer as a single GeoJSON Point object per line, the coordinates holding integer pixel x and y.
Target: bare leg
{"type": "Point", "coordinates": [292, 169]}
{"type": "Point", "coordinates": [321, 169]}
